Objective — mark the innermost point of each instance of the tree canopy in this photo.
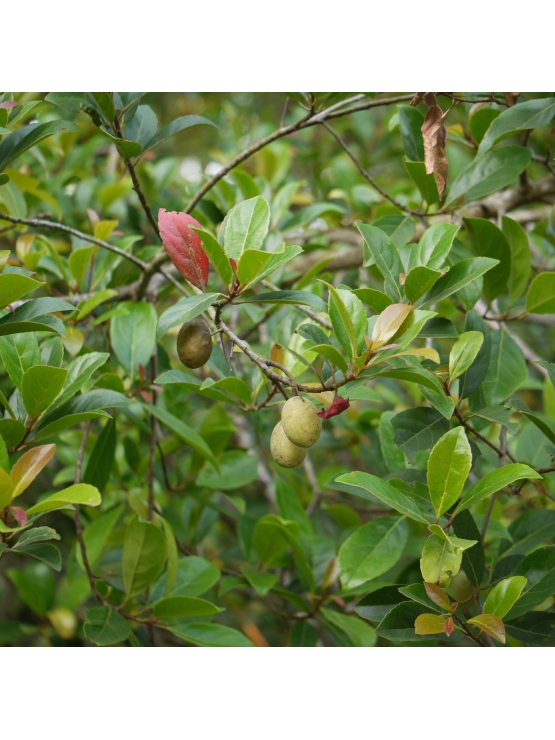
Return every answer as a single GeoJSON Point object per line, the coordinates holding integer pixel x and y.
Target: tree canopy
{"type": "Point", "coordinates": [277, 369]}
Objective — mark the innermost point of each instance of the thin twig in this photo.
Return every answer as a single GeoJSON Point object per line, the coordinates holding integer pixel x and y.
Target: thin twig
{"type": "Point", "coordinates": [152, 443]}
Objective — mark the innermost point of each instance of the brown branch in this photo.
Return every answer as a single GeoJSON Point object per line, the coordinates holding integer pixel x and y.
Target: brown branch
{"type": "Point", "coordinates": [41, 223]}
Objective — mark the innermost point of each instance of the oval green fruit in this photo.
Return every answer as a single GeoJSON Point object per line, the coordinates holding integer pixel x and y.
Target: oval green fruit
{"type": "Point", "coordinates": [300, 422]}
{"type": "Point", "coordinates": [283, 451]}
{"type": "Point", "coordinates": [194, 343]}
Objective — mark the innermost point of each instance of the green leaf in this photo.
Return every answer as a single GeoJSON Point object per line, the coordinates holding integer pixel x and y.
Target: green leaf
{"type": "Point", "coordinates": [418, 429]}
{"type": "Point", "coordinates": [29, 466]}
{"type": "Point", "coordinates": [342, 323]}
{"type": "Point", "coordinates": [460, 275]}
{"type": "Point", "coordinates": [398, 624]}
{"type": "Point", "coordinates": [333, 355]}
{"type": "Point", "coordinates": [372, 550]}
{"type": "Point", "coordinates": [473, 560]}
{"type": "Point", "coordinates": [79, 371]}
{"type": "Point", "coordinates": [40, 386]}
{"type": "Point", "coordinates": [104, 626]}
{"type": "Point", "coordinates": [489, 241]}
{"type": "Point", "coordinates": [392, 455]}
{"type": "Point", "coordinates": [245, 227]}
{"type": "Point", "coordinates": [503, 596]}
{"type": "Point", "coordinates": [494, 171]}
{"type": "Point", "coordinates": [473, 377]}
{"type": "Point", "coordinates": [434, 246]}
{"type": "Point", "coordinates": [359, 633]}
{"type": "Point", "coordinates": [101, 460]}
{"type": "Point", "coordinates": [375, 605]}
{"type": "Point", "coordinates": [184, 606]}
{"type": "Point", "coordinates": [520, 117]}
{"type": "Point", "coordinates": [507, 369]}
{"type": "Point", "coordinates": [12, 431]}
{"type": "Point", "coordinates": [498, 415]}
{"type": "Point", "coordinates": [464, 352]}
{"type": "Point", "coordinates": [216, 255]}
{"type": "Point", "coordinates": [252, 263]}
{"type": "Point", "coordinates": [537, 570]}
{"type": "Point", "coordinates": [303, 634]}
{"type": "Point", "coordinates": [42, 551]}
{"type": "Point", "coordinates": [425, 183]}
{"type": "Point", "coordinates": [441, 558]}
{"type": "Point", "coordinates": [380, 248]}
{"type": "Point", "coordinates": [14, 286]}
{"type": "Point", "coordinates": [419, 592]}
{"type": "Point", "coordinates": [210, 635]}
{"type": "Point", "coordinates": [535, 629]}
{"type": "Point", "coordinates": [96, 535]}
{"type": "Point", "coordinates": [279, 258]}
{"type": "Point", "coordinates": [410, 123]}
{"type": "Point", "coordinates": [27, 136]}
{"type": "Point", "coordinates": [383, 491]}
{"type": "Point", "coordinates": [399, 228]}
{"type": "Point", "coordinates": [528, 531]}
{"type": "Point", "coordinates": [144, 555]}
{"type": "Point", "coordinates": [448, 467]}
{"type": "Point", "coordinates": [194, 577]}
{"type": "Point", "coordinates": [81, 494]}
{"type": "Point", "coordinates": [79, 262]}
{"type": "Point", "coordinates": [517, 240]}
{"type": "Point", "coordinates": [419, 281]}
{"type": "Point", "coordinates": [35, 586]}
{"type": "Point", "coordinates": [236, 469]}
{"type": "Point", "coordinates": [37, 534]}
{"type": "Point", "coordinates": [494, 481]}
{"type": "Point", "coordinates": [377, 300]}
{"type": "Point", "coordinates": [261, 582]}
{"type": "Point", "coordinates": [184, 310]}
{"type": "Point", "coordinates": [175, 127]}
{"type": "Point", "coordinates": [184, 433]}
{"type": "Point", "coordinates": [541, 294]}
{"type": "Point", "coordinates": [19, 353]}
{"type": "Point", "coordinates": [142, 127]}
{"type": "Point", "coordinates": [288, 297]}
{"type": "Point", "coordinates": [133, 336]}
{"type": "Point", "coordinates": [66, 422]}
{"type": "Point", "coordinates": [234, 386]}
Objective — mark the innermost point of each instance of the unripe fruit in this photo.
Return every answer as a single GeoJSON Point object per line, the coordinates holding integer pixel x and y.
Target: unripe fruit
{"type": "Point", "coordinates": [283, 451]}
{"type": "Point", "coordinates": [194, 343]}
{"type": "Point", "coordinates": [461, 588]}
{"type": "Point", "coordinates": [300, 422]}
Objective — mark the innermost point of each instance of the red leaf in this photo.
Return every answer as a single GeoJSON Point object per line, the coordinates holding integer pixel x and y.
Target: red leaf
{"type": "Point", "coordinates": [233, 265]}
{"type": "Point", "coordinates": [338, 406]}
{"type": "Point", "coordinates": [183, 246]}
{"type": "Point", "coordinates": [449, 626]}
{"type": "Point", "coordinates": [19, 515]}
{"type": "Point", "coordinates": [9, 104]}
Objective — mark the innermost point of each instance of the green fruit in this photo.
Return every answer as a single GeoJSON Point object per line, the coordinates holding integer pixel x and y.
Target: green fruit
{"type": "Point", "coordinates": [283, 451]}
{"type": "Point", "coordinates": [300, 422]}
{"type": "Point", "coordinates": [461, 588]}
{"type": "Point", "coordinates": [194, 343]}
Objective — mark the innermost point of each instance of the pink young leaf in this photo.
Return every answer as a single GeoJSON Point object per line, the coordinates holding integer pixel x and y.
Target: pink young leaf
{"type": "Point", "coordinates": [19, 515]}
{"type": "Point", "coordinates": [183, 246]}
{"type": "Point", "coordinates": [338, 406]}
{"type": "Point", "coordinates": [9, 104]}
{"type": "Point", "coordinates": [449, 626]}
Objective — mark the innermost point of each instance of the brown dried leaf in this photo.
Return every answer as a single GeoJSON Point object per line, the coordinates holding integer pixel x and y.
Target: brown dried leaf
{"type": "Point", "coordinates": [434, 135]}
{"type": "Point", "coordinates": [511, 98]}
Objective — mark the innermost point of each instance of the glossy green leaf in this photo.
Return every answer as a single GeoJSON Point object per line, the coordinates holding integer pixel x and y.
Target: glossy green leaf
{"type": "Point", "coordinates": [372, 550]}
{"type": "Point", "coordinates": [473, 560]}
{"type": "Point", "coordinates": [375, 605]}
{"type": "Point", "coordinates": [380, 248]}
{"type": "Point", "coordinates": [383, 491]}
{"type": "Point", "coordinates": [448, 467]}
{"type": "Point", "coordinates": [40, 386]}
{"type": "Point", "coordinates": [101, 460]}
{"type": "Point", "coordinates": [537, 570]}
{"type": "Point", "coordinates": [35, 586]}
{"type": "Point", "coordinates": [490, 624]}
{"type": "Point", "coordinates": [464, 352]}
{"type": "Point", "coordinates": [359, 633]}
{"type": "Point", "coordinates": [541, 294]}
{"type": "Point", "coordinates": [29, 466]}
{"type": "Point", "coordinates": [27, 136]}
{"type": "Point", "coordinates": [133, 336]}
{"type": "Point", "coordinates": [425, 182]}
{"type": "Point", "coordinates": [520, 117]}
{"type": "Point", "coordinates": [495, 170]}
{"type": "Point", "coordinates": [104, 626]}
{"type": "Point", "coordinates": [14, 286]}
{"type": "Point", "coordinates": [288, 297]}
{"type": "Point", "coordinates": [419, 281]}
{"type": "Point", "coordinates": [343, 324]}
{"type": "Point", "coordinates": [489, 241]}
{"type": "Point", "coordinates": [393, 457]}
{"type": "Point", "coordinates": [175, 127]}
{"type": "Point", "coordinates": [494, 481]}
{"type": "Point", "coordinates": [459, 276]}
{"type": "Point", "coordinates": [216, 255]}
{"type": "Point", "coordinates": [529, 530]}
{"type": "Point", "coordinates": [210, 635]}
{"type": "Point", "coordinates": [377, 300]}
{"type": "Point", "coordinates": [184, 310]}
{"type": "Point", "coordinates": [245, 227]}
{"type": "Point", "coordinates": [410, 123]}
{"type": "Point", "coordinates": [429, 624]}
{"type": "Point", "coordinates": [260, 581]}
{"type": "Point", "coordinates": [507, 368]}
{"type": "Point", "coordinates": [434, 246]}
{"type": "Point", "coordinates": [184, 432]}
{"type": "Point", "coordinates": [144, 555]}
{"type": "Point", "coordinates": [81, 494]}
{"type": "Point", "coordinates": [418, 429]}
{"type": "Point", "coordinates": [184, 606]}
{"type": "Point", "coordinates": [535, 629]}
{"type": "Point", "coordinates": [517, 240]}
{"type": "Point", "coordinates": [398, 624]}
{"type": "Point", "coordinates": [470, 380]}
{"type": "Point", "coordinates": [441, 558]}
{"type": "Point", "coordinates": [504, 595]}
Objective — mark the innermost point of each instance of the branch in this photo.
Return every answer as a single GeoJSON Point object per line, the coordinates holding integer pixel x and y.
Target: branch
{"type": "Point", "coordinates": [41, 223]}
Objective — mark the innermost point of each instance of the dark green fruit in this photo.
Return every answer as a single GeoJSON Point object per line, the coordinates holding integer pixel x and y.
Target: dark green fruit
{"type": "Point", "coordinates": [194, 343]}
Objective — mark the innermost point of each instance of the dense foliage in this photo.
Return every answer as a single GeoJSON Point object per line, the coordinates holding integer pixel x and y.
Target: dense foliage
{"type": "Point", "coordinates": [388, 258]}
